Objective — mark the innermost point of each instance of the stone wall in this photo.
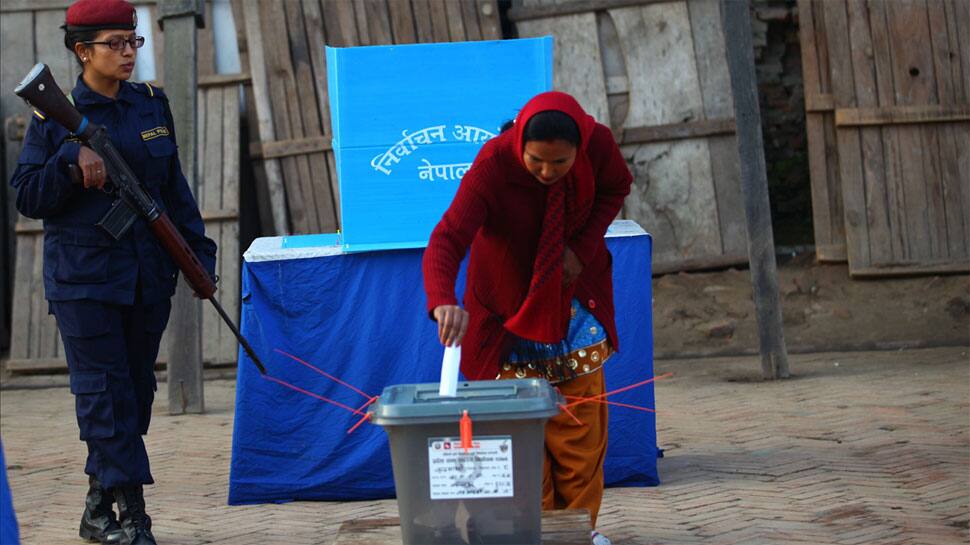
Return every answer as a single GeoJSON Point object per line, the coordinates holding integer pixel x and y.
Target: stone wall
{"type": "Point", "coordinates": [781, 93]}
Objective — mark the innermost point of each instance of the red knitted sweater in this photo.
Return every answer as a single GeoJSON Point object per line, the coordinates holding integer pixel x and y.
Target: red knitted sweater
{"type": "Point", "coordinates": [498, 211]}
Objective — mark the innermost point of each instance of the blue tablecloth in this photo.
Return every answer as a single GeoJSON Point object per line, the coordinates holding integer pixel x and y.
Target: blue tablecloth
{"type": "Point", "coordinates": [361, 317]}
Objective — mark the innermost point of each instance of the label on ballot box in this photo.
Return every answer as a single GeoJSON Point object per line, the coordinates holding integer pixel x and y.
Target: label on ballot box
{"type": "Point", "coordinates": [485, 471]}
{"type": "Point", "coordinates": [408, 121]}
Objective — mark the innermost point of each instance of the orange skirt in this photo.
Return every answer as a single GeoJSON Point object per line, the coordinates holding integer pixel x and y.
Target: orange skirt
{"type": "Point", "coordinates": [573, 470]}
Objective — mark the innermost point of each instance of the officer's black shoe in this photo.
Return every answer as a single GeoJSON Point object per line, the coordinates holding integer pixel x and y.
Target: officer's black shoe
{"type": "Point", "coordinates": [135, 523]}
{"type": "Point", "coordinates": [98, 523]}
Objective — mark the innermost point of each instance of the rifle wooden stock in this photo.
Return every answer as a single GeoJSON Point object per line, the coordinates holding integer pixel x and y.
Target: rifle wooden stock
{"type": "Point", "coordinates": [180, 251]}
{"type": "Point", "coordinates": [41, 91]}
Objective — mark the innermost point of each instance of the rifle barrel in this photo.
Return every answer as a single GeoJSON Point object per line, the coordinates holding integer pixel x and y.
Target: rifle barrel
{"type": "Point", "coordinates": [235, 331]}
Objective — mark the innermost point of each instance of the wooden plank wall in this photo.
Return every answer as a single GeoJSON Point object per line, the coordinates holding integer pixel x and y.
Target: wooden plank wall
{"type": "Point", "coordinates": [656, 73]}
{"type": "Point", "coordinates": [900, 83]}
{"type": "Point", "coordinates": [35, 342]}
{"type": "Point", "coordinates": [218, 172]}
{"type": "Point", "coordinates": [292, 111]}
{"type": "Point", "coordinates": [33, 333]}
{"type": "Point", "coordinates": [823, 153]}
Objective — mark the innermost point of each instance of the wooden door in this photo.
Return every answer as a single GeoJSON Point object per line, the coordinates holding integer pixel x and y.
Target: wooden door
{"type": "Point", "coordinates": [656, 73]}
{"type": "Point", "coordinates": [900, 83]}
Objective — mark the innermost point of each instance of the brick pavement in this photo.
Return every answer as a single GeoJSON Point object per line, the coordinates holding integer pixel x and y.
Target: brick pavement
{"type": "Point", "coordinates": [857, 448]}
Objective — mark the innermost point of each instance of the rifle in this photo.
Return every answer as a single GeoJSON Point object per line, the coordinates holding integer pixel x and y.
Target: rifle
{"type": "Point", "coordinates": [41, 91]}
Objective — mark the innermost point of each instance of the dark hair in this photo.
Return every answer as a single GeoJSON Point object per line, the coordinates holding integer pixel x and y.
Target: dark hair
{"type": "Point", "coordinates": [551, 125]}
{"type": "Point", "coordinates": [72, 37]}
{"type": "Point", "coordinates": [548, 125]}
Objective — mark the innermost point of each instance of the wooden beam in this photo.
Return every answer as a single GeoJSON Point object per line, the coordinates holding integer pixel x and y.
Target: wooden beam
{"type": "Point", "coordinates": [822, 102]}
{"type": "Point", "coordinates": [959, 266]}
{"type": "Point", "coordinates": [59, 365]}
{"type": "Point", "coordinates": [28, 227]}
{"type": "Point", "coordinates": [286, 148]}
{"type": "Point", "coordinates": [736, 16]}
{"type": "Point", "coordinates": [676, 131]}
{"type": "Point", "coordinates": [35, 365]}
{"type": "Point", "coordinates": [698, 264]}
{"type": "Point", "coordinates": [185, 388]}
{"type": "Point", "coordinates": [525, 13]}
{"type": "Point", "coordinates": [898, 115]}
{"type": "Point", "coordinates": [226, 214]}
{"type": "Point", "coordinates": [214, 80]}
{"type": "Point", "coordinates": [831, 253]}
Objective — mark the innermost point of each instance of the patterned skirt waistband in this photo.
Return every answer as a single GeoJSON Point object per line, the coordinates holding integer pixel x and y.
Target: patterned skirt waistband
{"type": "Point", "coordinates": [559, 369]}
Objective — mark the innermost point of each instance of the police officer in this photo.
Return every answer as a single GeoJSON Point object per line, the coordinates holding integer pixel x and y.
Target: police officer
{"type": "Point", "coordinates": [111, 298]}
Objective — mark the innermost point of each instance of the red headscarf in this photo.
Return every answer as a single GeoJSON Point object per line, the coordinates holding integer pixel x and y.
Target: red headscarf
{"type": "Point", "coordinates": [544, 315]}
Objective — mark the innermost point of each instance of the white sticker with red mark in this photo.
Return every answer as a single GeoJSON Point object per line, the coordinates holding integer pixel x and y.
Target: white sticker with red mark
{"type": "Point", "coordinates": [485, 471]}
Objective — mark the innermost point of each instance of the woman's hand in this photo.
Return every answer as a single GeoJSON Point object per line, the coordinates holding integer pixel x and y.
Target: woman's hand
{"type": "Point", "coordinates": [571, 267]}
{"type": "Point", "coordinates": [452, 324]}
{"type": "Point", "coordinates": [93, 168]}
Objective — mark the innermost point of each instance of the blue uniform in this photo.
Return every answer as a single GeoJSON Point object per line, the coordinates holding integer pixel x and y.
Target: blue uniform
{"type": "Point", "coordinates": [111, 298]}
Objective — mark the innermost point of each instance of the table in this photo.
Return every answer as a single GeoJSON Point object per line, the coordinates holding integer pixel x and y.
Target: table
{"type": "Point", "coordinates": [361, 317]}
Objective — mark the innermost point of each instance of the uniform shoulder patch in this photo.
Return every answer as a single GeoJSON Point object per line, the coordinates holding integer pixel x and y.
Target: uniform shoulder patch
{"type": "Point", "coordinates": [39, 116]}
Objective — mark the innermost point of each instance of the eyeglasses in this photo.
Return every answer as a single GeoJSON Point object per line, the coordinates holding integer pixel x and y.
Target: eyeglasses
{"type": "Point", "coordinates": [118, 44]}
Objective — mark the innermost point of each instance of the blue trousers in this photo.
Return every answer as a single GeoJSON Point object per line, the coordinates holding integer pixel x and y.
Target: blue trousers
{"type": "Point", "coordinates": [111, 352]}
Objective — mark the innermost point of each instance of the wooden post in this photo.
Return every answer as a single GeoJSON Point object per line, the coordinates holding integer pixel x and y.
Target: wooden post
{"type": "Point", "coordinates": [736, 17]}
{"type": "Point", "coordinates": [179, 20]}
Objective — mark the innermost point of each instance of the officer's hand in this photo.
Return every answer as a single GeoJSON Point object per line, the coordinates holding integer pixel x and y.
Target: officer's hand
{"type": "Point", "coordinates": [571, 267]}
{"type": "Point", "coordinates": [93, 168]}
{"type": "Point", "coordinates": [452, 324]}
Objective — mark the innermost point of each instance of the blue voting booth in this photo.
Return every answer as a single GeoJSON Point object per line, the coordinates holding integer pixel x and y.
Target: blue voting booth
{"type": "Point", "coordinates": [408, 121]}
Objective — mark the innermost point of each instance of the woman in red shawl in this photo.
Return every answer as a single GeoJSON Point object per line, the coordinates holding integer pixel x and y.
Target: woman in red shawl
{"type": "Point", "coordinates": [534, 208]}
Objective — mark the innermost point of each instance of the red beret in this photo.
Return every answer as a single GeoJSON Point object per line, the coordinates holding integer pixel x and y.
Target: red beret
{"type": "Point", "coordinates": [100, 14]}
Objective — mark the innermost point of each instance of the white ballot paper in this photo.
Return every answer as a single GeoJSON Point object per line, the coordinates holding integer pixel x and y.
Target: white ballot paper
{"type": "Point", "coordinates": [449, 371]}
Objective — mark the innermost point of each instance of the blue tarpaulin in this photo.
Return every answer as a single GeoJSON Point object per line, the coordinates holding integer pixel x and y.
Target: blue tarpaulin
{"type": "Point", "coordinates": [361, 317]}
{"type": "Point", "coordinates": [9, 534]}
